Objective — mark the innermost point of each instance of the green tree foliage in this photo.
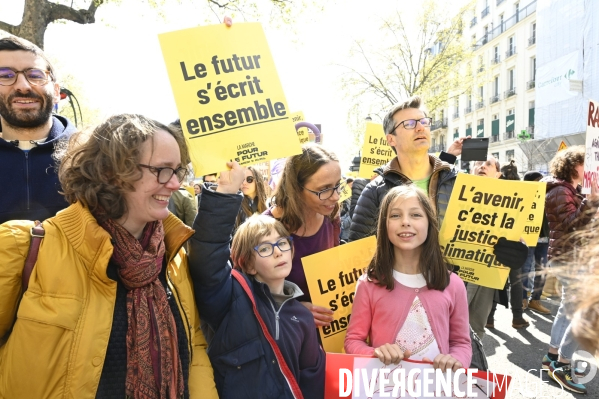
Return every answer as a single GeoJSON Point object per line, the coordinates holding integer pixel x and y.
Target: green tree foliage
{"type": "Point", "coordinates": [419, 52]}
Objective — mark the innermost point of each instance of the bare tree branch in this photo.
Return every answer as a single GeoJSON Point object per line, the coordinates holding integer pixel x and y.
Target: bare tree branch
{"type": "Point", "coordinates": [60, 11]}
{"type": "Point", "coordinates": [8, 28]}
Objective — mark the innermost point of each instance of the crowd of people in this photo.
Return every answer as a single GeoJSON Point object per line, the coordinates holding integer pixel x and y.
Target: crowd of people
{"type": "Point", "coordinates": [141, 289]}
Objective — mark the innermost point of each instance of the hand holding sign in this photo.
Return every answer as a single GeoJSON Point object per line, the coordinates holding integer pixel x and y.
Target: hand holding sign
{"type": "Point", "coordinates": [391, 353]}
{"type": "Point", "coordinates": [231, 180]}
{"type": "Point", "coordinates": [322, 316]}
{"type": "Point", "coordinates": [445, 362]}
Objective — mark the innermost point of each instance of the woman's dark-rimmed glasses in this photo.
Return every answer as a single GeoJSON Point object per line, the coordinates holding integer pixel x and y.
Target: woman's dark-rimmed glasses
{"type": "Point", "coordinates": [326, 193]}
{"type": "Point", "coordinates": [163, 175]}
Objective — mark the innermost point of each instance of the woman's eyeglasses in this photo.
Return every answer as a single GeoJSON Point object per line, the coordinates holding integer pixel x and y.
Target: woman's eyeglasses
{"type": "Point", "coordinates": [326, 193]}
{"type": "Point", "coordinates": [249, 179]}
{"type": "Point", "coordinates": [163, 175]}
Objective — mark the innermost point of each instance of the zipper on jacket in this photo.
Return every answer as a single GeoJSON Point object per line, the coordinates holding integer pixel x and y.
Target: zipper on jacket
{"type": "Point", "coordinates": [27, 177]}
{"type": "Point", "coordinates": [277, 317]}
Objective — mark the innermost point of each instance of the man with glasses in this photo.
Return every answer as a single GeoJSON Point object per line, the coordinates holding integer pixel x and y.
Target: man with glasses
{"type": "Point", "coordinates": [407, 128]}
{"type": "Point", "coordinates": [30, 134]}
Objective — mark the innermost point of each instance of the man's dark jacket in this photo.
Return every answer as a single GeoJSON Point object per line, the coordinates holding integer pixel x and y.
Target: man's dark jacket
{"type": "Point", "coordinates": [29, 180]}
{"type": "Point", "coordinates": [365, 218]}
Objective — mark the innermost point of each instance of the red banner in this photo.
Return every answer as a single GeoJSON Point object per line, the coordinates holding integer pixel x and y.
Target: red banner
{"type": "Point", "coordinates": [353, 376]}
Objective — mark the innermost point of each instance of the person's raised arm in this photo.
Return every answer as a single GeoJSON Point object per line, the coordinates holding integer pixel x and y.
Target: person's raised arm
{"type": "Point", "coordinates": [209, 246]}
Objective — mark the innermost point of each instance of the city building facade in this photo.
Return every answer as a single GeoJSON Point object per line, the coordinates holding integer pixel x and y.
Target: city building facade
{"type": "Point", "coordinates": [500, 104]}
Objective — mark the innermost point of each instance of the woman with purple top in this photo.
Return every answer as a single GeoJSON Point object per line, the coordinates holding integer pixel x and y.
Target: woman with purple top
{"type": "Point", "coordinates": [306, 202]}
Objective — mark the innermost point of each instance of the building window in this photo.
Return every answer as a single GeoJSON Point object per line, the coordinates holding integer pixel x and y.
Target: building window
{"type": "Point", "coordinates": [496, 58]}
{"type": "Point", "coordinates": [509, 155]}
{"type": "Point", "coordinates": [495, 155]}
{"type": "Point", "coordinates": [510, 79]}
{"type": "Point", "coordinates": [496, 86]}
{"type": "Point", "coordinates": [501, 23]}
{"type": "Point", "coordinates": [533, 34]}
{"type": "Point", "coordinates": [511, 47]}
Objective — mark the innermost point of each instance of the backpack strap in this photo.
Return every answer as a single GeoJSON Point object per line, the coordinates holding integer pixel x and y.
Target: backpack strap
{"type": "Point", "coordinates": [293, 385]}
{"type": "Point", "coordinates": [37, 234]}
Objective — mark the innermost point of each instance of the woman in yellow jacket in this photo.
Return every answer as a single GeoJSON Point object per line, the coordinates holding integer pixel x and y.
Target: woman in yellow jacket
{"type": "Point", "coordinates": [109, 311]}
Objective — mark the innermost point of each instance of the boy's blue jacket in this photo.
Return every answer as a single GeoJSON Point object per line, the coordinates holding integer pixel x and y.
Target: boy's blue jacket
{"type": "Point", "coordinates": [244, 364]}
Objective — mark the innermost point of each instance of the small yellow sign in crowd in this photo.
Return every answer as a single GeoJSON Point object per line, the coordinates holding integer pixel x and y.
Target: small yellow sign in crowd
{"type": "Point", "coordinates": [375, 150]}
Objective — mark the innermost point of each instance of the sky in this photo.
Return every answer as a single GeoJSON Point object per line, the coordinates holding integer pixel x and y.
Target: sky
{"type": "Point", "coordinates": [119, 64]}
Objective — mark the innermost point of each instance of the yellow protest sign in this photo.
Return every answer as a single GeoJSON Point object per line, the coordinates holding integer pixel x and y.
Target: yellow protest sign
{"type": "Point", "coordinates": [534, 217]}
{"type": "Point", "coordinates": [332, 276]}
{"type": "Point", "coordinates": [228, 94]}
{"type": "Point", "coordinates": [344, 191]}
{"type": "Point", "coordinates": [375, 150]}
{"type": "Point", "coordinates": [302, 133]}
{"type": "Point", "coordinates": [480, 211]}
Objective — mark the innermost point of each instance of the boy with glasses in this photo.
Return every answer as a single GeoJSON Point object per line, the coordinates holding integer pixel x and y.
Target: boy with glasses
{"type": "Point", "coordinates": [245, 363]}
{"type": "Point", "coordinates": [30, 133]}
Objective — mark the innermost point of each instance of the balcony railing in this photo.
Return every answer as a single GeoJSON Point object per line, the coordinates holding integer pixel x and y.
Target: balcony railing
{"type": "Point", "coordinates": [532, 40]}
{"type": "Point", "coordinates": [507, 24]}
{"type": "Point", "coordinates": [437, 148]}
{"type": "Point", "coordinates": [456, 115]}
{"type": "Point", "coordinates": [484, 12]}
{"type": "Point", "coordinates": [496, 60]}
{"type": "Point", "coordinates": [467, 110]}
{"type": "Point", "coordinates": [510, 52]}
{"type": "Point", "coordinates": [494, 139]}
{"type": "Point", "coordinates": [438, 124]}
{"type": "Point", "coordinates": [494, 99]}
{"type": "Point", "coordinates": [480, 104]}
{"type": "Point", "coordinates": [500, 1]}
{"type": "Point", "coordinates": [510, 92]}
{"type": "Point", "coordinates": [473, 22]}
{"type": "Point", "coordinates": [530, 84]}
{"type": "Point", "coordinates": [509, 135]}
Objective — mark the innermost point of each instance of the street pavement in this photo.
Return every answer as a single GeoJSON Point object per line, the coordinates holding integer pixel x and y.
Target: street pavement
{"type": "Point", "coordinates": [518, 353]}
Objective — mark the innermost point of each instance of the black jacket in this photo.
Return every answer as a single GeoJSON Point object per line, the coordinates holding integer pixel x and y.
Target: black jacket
{"type": "Point", "coordinates": [365, 218]}
{"type": "Point", "coordinates": [356, 190]}
{"type": "Point", "coordinates": [243, 361]}
{"type": "Point", "coordinates": [29, 180]}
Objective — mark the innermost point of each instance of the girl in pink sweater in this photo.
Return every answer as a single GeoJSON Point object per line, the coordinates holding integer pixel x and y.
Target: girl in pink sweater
{"type": "Point", "coordinates": [408, 304]}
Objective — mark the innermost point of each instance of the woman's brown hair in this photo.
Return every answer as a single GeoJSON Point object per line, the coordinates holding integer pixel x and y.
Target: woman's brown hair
{"type": "Point", "coordinates": [100, 166]}
{"type": "Point", "coordinates": [298, 169]}
{"type": "Point", "coordinates": [564, 163]}
{"type": "Point", "coordinates": [433, 266]}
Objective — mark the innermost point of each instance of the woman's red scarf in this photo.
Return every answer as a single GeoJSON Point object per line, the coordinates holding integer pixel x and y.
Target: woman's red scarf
{"type": "Point", "coordinates": [153, 363]}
